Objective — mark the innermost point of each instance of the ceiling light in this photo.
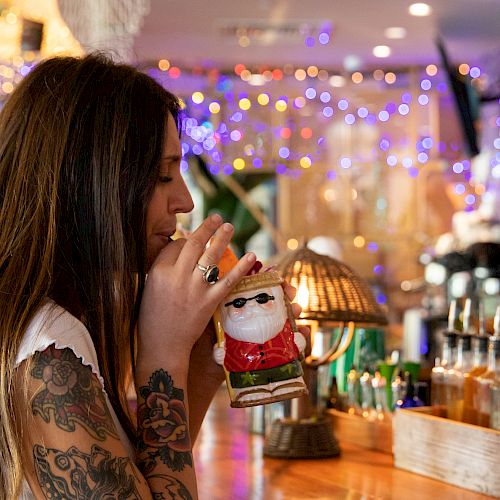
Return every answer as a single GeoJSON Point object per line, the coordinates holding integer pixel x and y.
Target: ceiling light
{"type": "Point", "coordinates": [337, 81]}
{"type": "Point", "coordinates": [395, 32]}
{"type": "Point", "coordinates": [381, 51]}
{"type": "Point", "coordinates": [419, 9]}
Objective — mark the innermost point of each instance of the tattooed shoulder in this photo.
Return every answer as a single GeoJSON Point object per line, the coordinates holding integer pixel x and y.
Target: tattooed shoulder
{"type": "Point", "coordinates": [70, 394]}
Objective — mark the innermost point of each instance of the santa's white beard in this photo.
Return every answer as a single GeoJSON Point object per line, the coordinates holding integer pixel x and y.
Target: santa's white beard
{"type": "Point", "coordinates": [257, 329]}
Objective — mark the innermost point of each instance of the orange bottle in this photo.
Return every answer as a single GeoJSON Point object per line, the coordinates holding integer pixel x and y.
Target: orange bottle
{"type": "Point", "coordinates": [438, 388]}
{"type": "Point", "coordinates": [480, 365]}
{"type": "Point", "coordinates": [490, 376]}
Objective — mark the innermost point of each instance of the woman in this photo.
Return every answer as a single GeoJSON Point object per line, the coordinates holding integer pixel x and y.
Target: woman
{"type": "Point", "coordinates": [89, 191]}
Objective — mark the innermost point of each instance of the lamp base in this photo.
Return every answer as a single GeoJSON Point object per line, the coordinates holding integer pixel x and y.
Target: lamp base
{"type": "Point", "coordinates": [305, 438]}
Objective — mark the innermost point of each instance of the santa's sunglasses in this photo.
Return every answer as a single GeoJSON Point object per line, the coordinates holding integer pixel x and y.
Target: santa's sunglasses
{"type": "Point", "coordinates": [261, 298]}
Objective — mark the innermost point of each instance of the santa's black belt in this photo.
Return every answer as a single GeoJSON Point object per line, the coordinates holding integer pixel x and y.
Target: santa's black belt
{"type": "Point", "coordinates": [239, 380]}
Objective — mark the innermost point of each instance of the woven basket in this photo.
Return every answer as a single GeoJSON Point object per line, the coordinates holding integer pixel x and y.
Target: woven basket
{"type": "Point", "coordinates": [336, 292]}
{"type": "Point", "coordinates": [301, 439]}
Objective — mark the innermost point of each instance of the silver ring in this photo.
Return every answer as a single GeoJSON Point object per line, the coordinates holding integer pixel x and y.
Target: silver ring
{"type": "Point", "coordinates": [210, 273]}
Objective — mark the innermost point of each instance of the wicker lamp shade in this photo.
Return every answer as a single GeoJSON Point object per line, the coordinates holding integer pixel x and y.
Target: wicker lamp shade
{"type": "Point", "coordinates": [335, 291]}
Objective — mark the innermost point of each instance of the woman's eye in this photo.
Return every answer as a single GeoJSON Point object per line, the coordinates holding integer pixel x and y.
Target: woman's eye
{"type": "Point", "coordinates": [164, 179]}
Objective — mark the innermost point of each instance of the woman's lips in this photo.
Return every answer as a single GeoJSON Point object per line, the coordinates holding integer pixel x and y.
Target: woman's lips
{"type": "Point", "coordinates": [165, 237]}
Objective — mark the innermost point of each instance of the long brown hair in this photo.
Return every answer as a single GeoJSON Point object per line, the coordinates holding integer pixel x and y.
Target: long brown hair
{"type": "Point", "coordinates": [80, 144]}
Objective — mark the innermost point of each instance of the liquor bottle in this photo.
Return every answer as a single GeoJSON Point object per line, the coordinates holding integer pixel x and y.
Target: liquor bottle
{"type": "Point", "coordinates": [453, 378]}
{"type": "Point", "coordinates": [367, 405]}
{"type": "Point", "coordinates": [398, 386]}
{"type": "Point", "coordinates": [411, 400]}
{"type": "Point", "coordinates": [438, 394]}
{"type": "Point", "coordinates": [490, 376]}
{"type": "Point", "coordinates": [353, 392]}
{"type": "Point", "coordinates": [380, 395]}
{"type": "Point", "coordinates": [479, 366]}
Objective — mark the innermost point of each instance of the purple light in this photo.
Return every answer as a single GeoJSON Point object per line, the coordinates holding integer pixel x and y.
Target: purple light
{"type": "Point", "coordinates": [284, 152]}
{"type": "Point", "coordinates": [390, 108]}
{"type": "Point", "coordinates": [422, 157]}
{"type": "Point", "coordinates": [392, 160]}
{"type": "Point", "coordinates": [325, 97]}
{"type": "Point", "coordinates": [216, 156]}
{"type": "Point", "coordinates": [423, 99]}
{"type": "Point", "coordinates": [383, 116]}
{"type": "Point", "coordinates": [470, 199]}
{"type": "Point", "coordinates": [413, 172]}
{"type": "Point", "coordinates": [310, 93]}
{"type": "Point", "coordinates": [371, 119]}
{"type": "Point", "coordinates": [384, 145]}
{"type": "Point", "coordinates": [427, 142]}
{"type": "Point", "coordinates": [323, 38]}
{"type": "Point", "coordinates": [425, 84]}
{"type": "Point", "coordinates": [331, 175]}
{"type": "Point", "coordinates": [475, 72]}
{"type": "Point", "coordinates": [345, 162]}
{"type": "Point", "coordinates": [403, 109]}
{"type": "Point", "coordinates": [299, 102]}
{"type": "Point", "coordinates": [458, 168]}
{"type": "Point", "coordinates": [327, 111]}
{"type": "Point", "coordinates": [496, 143]}
{"type": "Point", "coordinates": [236, 117]}
{"type": "Point", "coordinates": [185, 148]}
{"type": "Point", "coordinates": [406, 98]}
{"type": "Point", "coordinates": [25, 70]}
{"type": "Point", "coordinates": [378, 269]}
{"type": "Point", "coordinates": [362, 112]}
{"type": "Point", "coordinates": [229, 97]}
{"type": "Point", "coordinates": [349, 118]}
{"type": "Point", "coordinates": [309, 41]}
{"type": "Point", "coordinates": [257, 163]}
{"type": "Point", "coordinates": [343, 104]}
{"type": "Point", "coordinates": [197, 149]}
{"type": "Point", "coordinates": [381, 298]}
{"type": "Point", "coordinates": [372, 247]}
{"type": "Point", "coordinates": [497, 121]}
{"type": "Point", "coordinates": [442, 146]}
{"type": "Point", "coordinates": [222, 128]}
{"type": "Point", "coordinates": [407, 162]}
{"type": "Point", "coordinates": [280, 169]}
{"type": "Point", "coordinates": [321, 140]}
{"type": "Point", "coordinates": [442, 87]}
{"type": "Point", "coordinates": [459, 189]}
{"type": "Point", "coordinates": [209, 144]}
{"type": "Point", "coordinates": [184, 166]}
{"type": "Point", "coordinates": [228, 169]}
{"type": "Point", "coordinates": [235, 135]}
{"type": "Point", "coordinates": [214, 169]}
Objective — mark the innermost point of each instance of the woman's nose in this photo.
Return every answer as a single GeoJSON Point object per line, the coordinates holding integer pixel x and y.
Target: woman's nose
{"type": "Point", "coordinates": [182, 201]}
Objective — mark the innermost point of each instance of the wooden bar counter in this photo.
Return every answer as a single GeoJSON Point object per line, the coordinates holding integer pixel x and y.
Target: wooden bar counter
{"type": "Point", "coordinates": [231, 466]}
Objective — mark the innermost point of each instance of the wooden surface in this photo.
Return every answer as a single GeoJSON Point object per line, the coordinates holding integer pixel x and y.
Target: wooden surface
{"type": "Point", "coordinates": [374, 435]}
{"type": "Point", "coordinates": [428, 445]}
{"type": "Point", "coordinates": [230, 466]}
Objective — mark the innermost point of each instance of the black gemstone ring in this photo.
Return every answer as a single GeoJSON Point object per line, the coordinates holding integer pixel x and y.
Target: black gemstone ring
{"type": "Point", "coordinates": [210, 273]}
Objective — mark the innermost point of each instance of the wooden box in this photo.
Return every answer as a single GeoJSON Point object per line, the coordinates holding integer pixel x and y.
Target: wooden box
{"type": "Point", "coordinates": [371, 434]}
{"type": "Point", "coordinates": [454, 452]}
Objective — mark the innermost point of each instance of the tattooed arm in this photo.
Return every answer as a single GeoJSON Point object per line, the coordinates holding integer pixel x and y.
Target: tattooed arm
{"type": "Point", "coordinates": [71, 447]}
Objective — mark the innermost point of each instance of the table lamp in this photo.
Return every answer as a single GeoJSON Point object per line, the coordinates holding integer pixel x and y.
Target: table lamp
{"type": "Point", "coordinates": [331, 294]}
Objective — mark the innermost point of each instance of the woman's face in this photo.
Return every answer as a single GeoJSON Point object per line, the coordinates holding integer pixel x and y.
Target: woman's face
{"type": "Point", "coordinates": [170, 195]}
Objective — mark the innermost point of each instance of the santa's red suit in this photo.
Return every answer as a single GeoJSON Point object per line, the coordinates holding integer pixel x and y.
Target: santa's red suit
{"type": "Point", "coordinates": [248, 356]}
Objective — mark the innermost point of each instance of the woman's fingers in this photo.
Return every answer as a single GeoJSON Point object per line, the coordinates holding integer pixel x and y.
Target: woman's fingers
{"type": "Point", "coordinates": [197, 242]}
{"type": "Point", "coordinates": [218, 244]}
{"type": "Point", "coordinates": [290, 290]}
{"type": "Point", "coordinates": [227, 282]}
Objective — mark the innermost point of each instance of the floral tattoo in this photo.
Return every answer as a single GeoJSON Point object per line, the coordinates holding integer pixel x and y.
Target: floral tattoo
{"type": "Point", "coordinates": [71, 394]}
{"type": "Point", "coordinates": [163, 428]}
{"type": "Point", "coordinates": [77, 475]}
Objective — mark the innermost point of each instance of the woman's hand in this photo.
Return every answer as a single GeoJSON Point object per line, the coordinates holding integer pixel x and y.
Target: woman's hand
{"type": "Point", "coordinates": [177, 303]}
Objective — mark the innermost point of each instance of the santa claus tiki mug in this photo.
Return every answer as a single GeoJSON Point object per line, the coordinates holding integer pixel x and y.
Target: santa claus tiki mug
{"type": "Point", "coordinates": [258, 343]}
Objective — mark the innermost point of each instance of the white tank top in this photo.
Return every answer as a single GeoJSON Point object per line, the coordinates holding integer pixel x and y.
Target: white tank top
{"type": "Point", "coordinates": [53, 325]}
